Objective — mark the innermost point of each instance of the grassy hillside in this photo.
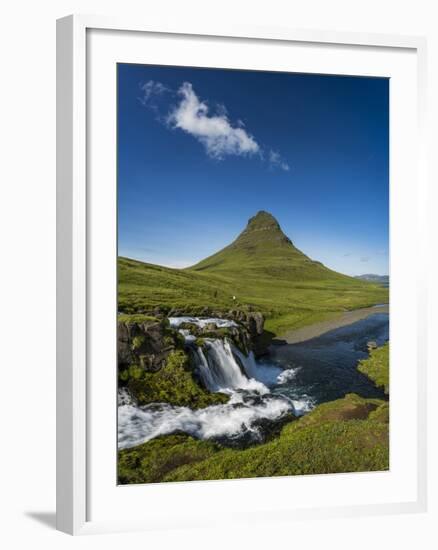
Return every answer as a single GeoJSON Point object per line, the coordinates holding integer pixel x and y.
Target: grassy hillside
{"type": "Point", "coordinates": [347, 435]}
{"type": "Point", "coordinates": [262, 269]}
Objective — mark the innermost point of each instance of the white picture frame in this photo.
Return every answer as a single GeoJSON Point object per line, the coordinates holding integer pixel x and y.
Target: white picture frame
{"type": "Point", "coordinates": [74, 283]}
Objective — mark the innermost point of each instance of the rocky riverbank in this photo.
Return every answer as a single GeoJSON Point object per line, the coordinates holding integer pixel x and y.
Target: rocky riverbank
{"type": "Point", "coordinates": [339, 320]}
{"type": "Point", "coordinates": [155, 363]}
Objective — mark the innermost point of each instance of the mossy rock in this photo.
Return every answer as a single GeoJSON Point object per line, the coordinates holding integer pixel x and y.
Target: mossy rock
{"type": "Point", "coordinates": [137, 318]}
{"type": "Point", "coordinates": [137, 342]}
{"type": "Point", "coordinates": [174, 383]}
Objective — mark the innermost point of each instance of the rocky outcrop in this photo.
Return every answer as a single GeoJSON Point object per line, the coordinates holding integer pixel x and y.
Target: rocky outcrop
{"type": "Point", "coordinates": [252, 320]}
{"type": "Point", "coordinates": [247, 335]}
{"type": "Point", "coordinates": [145, 341]}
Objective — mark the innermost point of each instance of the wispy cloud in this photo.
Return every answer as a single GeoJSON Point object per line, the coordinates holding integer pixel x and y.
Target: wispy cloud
{"type": "Point", "coordinates": [275, 160]}
{"type": "Point", "coordinates": [215, 132]}
{"type": "Point", "coordinates": [150, 90]}
{"type": "Point", "coordinates": [213, 128]}
{"type": "Point", "coordinates": [365, 259]}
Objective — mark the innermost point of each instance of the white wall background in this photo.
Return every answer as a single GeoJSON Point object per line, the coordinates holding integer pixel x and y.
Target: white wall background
{"type": "Point", "coordinates": [27, 286]}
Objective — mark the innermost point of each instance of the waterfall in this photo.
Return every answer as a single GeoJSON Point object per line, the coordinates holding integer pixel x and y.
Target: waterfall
{"type": "Point", "coordinates": [266, 373]}
{"type": "Point", "coordinates": [219, 370]}
{"type": "Point", "coordinates": [222, 367]}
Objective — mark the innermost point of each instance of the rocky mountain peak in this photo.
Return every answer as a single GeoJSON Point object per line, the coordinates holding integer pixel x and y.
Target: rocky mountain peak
{"type": "Point", "coordinates": [263, 221]}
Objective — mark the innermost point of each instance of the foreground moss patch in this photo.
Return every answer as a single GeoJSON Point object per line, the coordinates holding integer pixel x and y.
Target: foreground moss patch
{"type": "Point", "coordinates": [153, 461]}
{"type": "Point", "coordinates": [347, 435]}
{"type": "Point", "coordinates": [173, 384]}
{"type": "Point", "coordinates": [376, 367]}
{"type": "Point", "coordinates": [138, 318]}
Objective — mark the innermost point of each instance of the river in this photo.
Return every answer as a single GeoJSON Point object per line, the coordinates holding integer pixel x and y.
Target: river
{"type": "Point", "coordinates": [291, 380]}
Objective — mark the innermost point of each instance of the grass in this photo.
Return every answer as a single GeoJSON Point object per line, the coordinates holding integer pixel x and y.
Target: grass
{"type": "Point", "coordinates": [296, 319]}
{"type": "Point", "coordinates": [136, 319]}
{"type": "Point", "coordinates": [262, 269]}
{"type": "Point", "coordinates": [347, 435]}
{"type": "Point", "coordinates": [376, 367]}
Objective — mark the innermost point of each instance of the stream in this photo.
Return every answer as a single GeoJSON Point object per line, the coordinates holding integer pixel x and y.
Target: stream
{"type": "Point", "coordinates": [263, 393]}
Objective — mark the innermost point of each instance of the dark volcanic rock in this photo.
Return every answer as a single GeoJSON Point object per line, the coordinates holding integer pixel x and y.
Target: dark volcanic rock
{"type": "Point", "coordinates": [255, 322]}
{"type": "Point", "coordinates": [145, 343]}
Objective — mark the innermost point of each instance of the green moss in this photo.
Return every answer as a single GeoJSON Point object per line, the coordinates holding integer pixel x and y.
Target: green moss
{"type": "Point", "coordinates": [137, 342]}
{"type": "Point", "coordinates": [133, 372]}
{"type": "Point", "coordinates": [123, 375]}
{"type": "Point", "coordinates": [168, 340]}
{"type": "Point", "coordinates": [381, 414]}
{"type": "Point", "coordinates": [136, 318]}
{"type": "Point", "coordinates": [179, 340]}
{"type": "Point", "coordinates": [351, 407]}
{"type": "Point", "coordinates": [347, 435]}
{"type": "Point", "coordinates": [174, 384]}
{"type": "Point", "coordinates": [200, 342]}
{"type": "Point", "coordinates": [162, 456]}
{"type": "Point", "coordinates": [376, 367]}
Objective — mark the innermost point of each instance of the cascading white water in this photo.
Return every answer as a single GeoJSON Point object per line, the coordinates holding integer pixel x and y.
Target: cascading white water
{"type": "Point", "coordinates": [220, 371]}
{"type": "Point", "coordinates": [201, 322]}
{"type": "Point", "coordinates": [239, 416]}
{"type": "Point", "coordinates": [267, 374]}
{"type": "Point", "coordinates": [217, 364]}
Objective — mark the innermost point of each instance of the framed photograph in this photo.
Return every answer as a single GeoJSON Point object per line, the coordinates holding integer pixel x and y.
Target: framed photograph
{"type": "Point", "coordinates": [241, 320]}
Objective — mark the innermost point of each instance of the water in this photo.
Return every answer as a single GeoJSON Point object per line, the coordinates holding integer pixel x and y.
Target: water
{"type": "Point", "coordinates": [237, 423]}
{"type": "Point", "coordinates": [262, 393]}
{"type": "Point", "coordinates": [175, 322]}
{"type": "Point", "coordinates": [217, 366]}
{"type": "Point", "coordinates": [325, 367]}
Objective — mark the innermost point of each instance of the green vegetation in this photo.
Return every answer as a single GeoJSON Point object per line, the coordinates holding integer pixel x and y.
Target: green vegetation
{"type": "Point", "coordinates": [136, 318]}
{"type": "Point", "coordinates": [133, 372]}
{"type": "Point", "coordinates": [152, 461]}
{"type": "Point", "coordinates": [138, 341]}
{"type": "Point", "coordinates": [282, 323]}
{"type": "Point", "coordinates": [376, 367]}
{"type": "Point", "coordinates": [262, 269]}
{"type": "Point", "coordinates": [347, 435]}
{"type": "Point", "coordinates": [173, 383]}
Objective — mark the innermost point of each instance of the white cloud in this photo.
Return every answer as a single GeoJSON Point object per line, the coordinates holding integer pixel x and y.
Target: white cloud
{"type": "Point", "coordinates": [215, 132]}
{"type": "Point", "coordinates": [151, 89]}
{"type": "Point", "coordinates": [276, 160]}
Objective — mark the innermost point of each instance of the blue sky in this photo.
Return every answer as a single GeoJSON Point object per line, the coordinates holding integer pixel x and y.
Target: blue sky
{"type": "Point", "coordinates": [202, 150]}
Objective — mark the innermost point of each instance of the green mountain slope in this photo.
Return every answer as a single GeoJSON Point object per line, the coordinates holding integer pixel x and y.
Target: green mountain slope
{"type": "Point", "coordinates": [263, 250]}
{"type": "Point", "coordinates": [261, 269]}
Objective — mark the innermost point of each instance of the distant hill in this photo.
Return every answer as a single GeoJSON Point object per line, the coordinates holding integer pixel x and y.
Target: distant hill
{"type": "Point", "coordinates": [372, 278]}
{"type": "Point", "coordinates": [261, 269]}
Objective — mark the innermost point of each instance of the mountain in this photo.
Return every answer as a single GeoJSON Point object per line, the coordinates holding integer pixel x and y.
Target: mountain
{"type": "Point", "coordinates": [261, 269]}
{"type": "Point", "coordinates": [263, 250]}
{"type": "Point", "coordinates": [377, 279]}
